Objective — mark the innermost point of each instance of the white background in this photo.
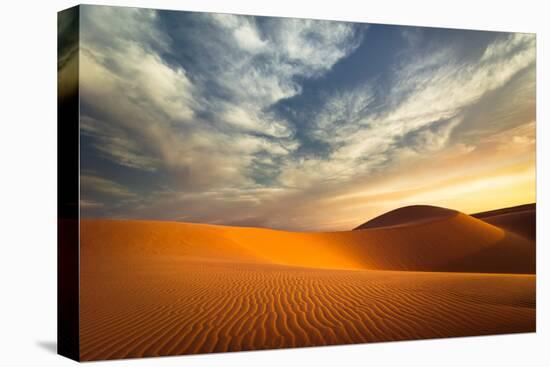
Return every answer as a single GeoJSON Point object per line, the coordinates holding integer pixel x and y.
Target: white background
{"type": "Point", "coordinates": [28, 184]}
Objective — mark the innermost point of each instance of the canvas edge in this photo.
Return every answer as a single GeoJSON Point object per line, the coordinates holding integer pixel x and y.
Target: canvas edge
{"type": "Point", "coordinates": [68, 323]}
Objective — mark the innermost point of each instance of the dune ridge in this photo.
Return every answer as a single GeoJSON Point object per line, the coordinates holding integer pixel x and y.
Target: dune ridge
{"type": "Point", "coordinates": [161, 288]}
{"type": "Point", "coordinates": [513, 209]}
{"type": "Point", "coordinates": [520, 219]}
{"type": "Point", "coordinates": [408, 215]}
{"type": "Point", "coordinates": [422, 246]}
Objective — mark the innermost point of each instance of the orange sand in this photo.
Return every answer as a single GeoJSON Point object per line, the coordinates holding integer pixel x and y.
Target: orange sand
{"type": "Point", "coordinates": [160, 288]}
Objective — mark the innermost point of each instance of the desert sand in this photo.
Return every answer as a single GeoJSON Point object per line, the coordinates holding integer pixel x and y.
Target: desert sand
{"type": "Point", "coordinates": [160, 288]}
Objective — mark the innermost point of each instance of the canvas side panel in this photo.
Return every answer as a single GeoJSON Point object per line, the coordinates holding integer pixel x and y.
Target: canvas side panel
{"type": "Point", "coordinates": [68, 183]}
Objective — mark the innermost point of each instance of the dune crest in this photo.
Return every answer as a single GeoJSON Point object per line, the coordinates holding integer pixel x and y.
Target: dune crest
{"type": "Point", "coordinates": [520, 219]}
{"type": "Point", "coordinates": [409, 215]}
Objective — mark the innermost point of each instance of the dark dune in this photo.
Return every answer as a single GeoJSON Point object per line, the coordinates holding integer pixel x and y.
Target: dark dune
{"type": "Point", "coordinates": [512, 209]}
{"type": "Point", "coordinates": [414, 214]}
{"type": "Point", "coordinates": [520, 219]}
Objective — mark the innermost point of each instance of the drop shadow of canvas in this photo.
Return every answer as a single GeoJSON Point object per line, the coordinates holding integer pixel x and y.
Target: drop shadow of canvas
{"type": "Point", "coordinates": [48, 345]}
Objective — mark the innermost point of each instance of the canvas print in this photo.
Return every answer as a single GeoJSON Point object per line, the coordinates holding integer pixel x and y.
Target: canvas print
{"type": "Point", "coordinates": [234, 183]}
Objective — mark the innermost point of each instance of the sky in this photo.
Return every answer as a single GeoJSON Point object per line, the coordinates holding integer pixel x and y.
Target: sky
{"type": "Point", "coordinates": [296, 124]}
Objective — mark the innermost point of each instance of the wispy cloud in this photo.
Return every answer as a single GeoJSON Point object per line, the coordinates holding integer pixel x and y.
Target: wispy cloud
{"type": "Point", "coordinates": [238, 120]}
{"type": "Point", "coordinates": [147, 113]}
{"type": "Point", "coordinates": [426, 101]}
{"type": "Point", "coordinates": [94, 184]}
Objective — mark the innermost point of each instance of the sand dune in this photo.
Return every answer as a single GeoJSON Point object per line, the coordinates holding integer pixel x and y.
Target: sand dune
{"type": "Point", "coordinates": [159, 288]}
{"type": "Point", "coordinates": [409, 215]}
{"type": "Point", "coordinates": [513, 209]}
{"type": "Point", "coordinates": [519, 219]}
{"type": "Point", "coordinates": [445, 244]}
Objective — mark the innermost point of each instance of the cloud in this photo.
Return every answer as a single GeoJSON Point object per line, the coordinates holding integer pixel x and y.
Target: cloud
{"type": "Point", "coordinates": [243, 30]}
{"type": "Point", "coordinates": [256, 64]}
{"type": "Point", "coordinates": [146, 113]}
{"type": "Point", "coordinates": [341, 112]}
{"type": "Point", "coordinates": [116, 143]}
{"type": "Point", "coordinates": [90, 204]}
{"type": "Point", "coordinates": [429, 92]}
{"type": "Point", "coordinates": [426, 102]}
{"type": "Point", "coordinates": [90, 183]}
{"type": "Point", "coordinates": [313, 45]}
{"type": "Point", "coordinates": [234, 119]}
{"type": "Point", "coordinates": [432, 137]}
{"type": "Point", "coordinates": [132, 98]}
